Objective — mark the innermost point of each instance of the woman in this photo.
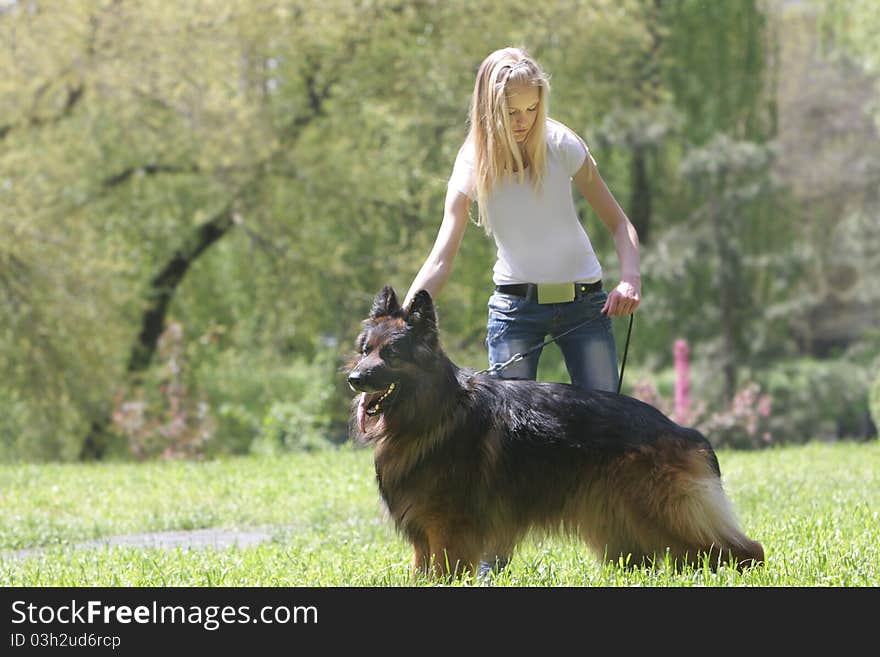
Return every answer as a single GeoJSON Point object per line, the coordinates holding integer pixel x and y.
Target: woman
{"type": "Point", "coordinates": [518, 164]}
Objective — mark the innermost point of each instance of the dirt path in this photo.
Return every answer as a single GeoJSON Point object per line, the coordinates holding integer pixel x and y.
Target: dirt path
{"type": "Point", "coordinates": [189, 539]}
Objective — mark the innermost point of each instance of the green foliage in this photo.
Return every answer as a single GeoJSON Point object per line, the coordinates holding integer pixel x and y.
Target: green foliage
{"type": "Point", "coordinates": [851, 30]}
{"type": "Point", "coordinates": [329, 130]}
{"type": "Point", "coordinates": [37, 430]}
{"type": "Point", "coordinates": [237, 427]}
{"type": "Point", "coordinates": [16, 429]}
{"type": "Point", "coordinates": [745, 422]}
{"type": "Point", "coordinates": [794, 402]}
{"type": "Point", "coordinates": [231, 403]}
{"type": "Point", "coordinates": [293, 426]}
{"type": "Point", "coordinates": [306, 416]}
{"type": "Point", "coordinates": [818, 400]}
{"type": "Point", "coordinates": [722, 86]}
{"type": "Point", "coordinates": [266, 405]}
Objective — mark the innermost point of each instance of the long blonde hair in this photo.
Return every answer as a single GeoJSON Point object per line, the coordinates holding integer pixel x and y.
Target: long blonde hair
{"type": "Point", "coordinates": [496, 153]}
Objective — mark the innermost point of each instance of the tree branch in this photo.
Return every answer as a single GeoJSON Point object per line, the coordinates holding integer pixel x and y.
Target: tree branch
{"type": "Point", "coordinates": [74, 97]}
{"type": "Point", "coordinates": [147, 169]}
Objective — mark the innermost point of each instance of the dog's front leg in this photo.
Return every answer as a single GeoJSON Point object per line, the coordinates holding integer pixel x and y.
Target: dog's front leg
{"type": "Point", "coordinates": [440, 559]}
{"type": "Point", "coordinates": [448, 563]}
{"type": "Point", "coordinates": [421, 558]}
{"type": "Point", "coordinates": [450, 556]}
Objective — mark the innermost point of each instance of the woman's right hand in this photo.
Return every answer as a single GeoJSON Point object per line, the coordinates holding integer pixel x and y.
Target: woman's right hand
{"type": "Point", "coordinates": [622, 300]}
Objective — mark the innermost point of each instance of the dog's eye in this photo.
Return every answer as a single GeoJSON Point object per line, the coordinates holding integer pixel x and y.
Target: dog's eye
{"type": "Point", "coordinates": [388, 354]}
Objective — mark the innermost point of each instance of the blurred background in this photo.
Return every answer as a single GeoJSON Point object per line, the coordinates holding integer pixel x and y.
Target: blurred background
{"type": "Point", "coordinates": [199, 200]}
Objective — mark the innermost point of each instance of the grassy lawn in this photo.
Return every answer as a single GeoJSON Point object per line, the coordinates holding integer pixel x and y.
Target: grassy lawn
{"type": "Point", "coordinates": [815, 508]}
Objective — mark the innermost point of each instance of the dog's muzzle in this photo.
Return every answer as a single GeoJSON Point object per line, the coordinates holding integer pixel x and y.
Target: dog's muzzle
{"type": "Point", "coordinates": [371, 401]}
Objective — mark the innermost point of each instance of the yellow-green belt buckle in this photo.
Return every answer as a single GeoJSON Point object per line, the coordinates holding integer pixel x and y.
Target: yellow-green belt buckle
{"type": "Point", "coordinates": [555, 292]}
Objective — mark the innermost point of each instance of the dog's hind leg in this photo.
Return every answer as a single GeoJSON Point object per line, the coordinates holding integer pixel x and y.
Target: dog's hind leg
{"type": "Point", "coordinates": [598, 514]}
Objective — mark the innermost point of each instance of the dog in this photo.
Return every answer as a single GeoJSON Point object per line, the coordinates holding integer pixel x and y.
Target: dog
{"type": "Point", "coordinates": [467, 464]}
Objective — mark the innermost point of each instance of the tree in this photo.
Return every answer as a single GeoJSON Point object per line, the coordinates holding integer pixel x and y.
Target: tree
{"type": "Point", "coordinates": [729, 176]}
{"type": "Point", "coordinates": [255, 172]}
{"type": "Point", "coordinates": [143, 112]}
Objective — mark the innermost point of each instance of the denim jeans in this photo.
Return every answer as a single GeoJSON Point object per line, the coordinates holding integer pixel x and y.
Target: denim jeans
{"type": "Point", "coordinates": [516, 324]}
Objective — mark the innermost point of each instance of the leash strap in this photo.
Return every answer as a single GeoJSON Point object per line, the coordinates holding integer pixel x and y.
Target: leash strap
{"type": "Point", "coordinates": [625, 350]}
{"type": "Point", "coordinates": [497, 367]}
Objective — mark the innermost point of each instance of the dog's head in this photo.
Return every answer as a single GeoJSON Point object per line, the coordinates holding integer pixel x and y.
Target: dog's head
{"type": "Point", "coordinates": [395, 349]}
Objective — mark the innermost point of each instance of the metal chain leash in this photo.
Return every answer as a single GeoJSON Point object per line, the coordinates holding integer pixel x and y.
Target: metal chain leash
{"type": "Point", "coordinates": [497, 367]}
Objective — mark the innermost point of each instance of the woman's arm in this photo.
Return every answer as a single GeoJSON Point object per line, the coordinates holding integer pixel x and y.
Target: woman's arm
{"type": "Point", "coordinates": [435, 272]}
{"type": "Point", "coordinates": [625, 298]}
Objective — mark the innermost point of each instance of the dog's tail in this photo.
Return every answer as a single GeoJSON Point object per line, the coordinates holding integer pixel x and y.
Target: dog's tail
{"type": "Point", "coordinates": [701, 515]}
{"type": "Point", "coordinates": [705, 519]}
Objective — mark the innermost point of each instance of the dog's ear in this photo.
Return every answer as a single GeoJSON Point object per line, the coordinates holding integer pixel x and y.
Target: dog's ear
{"type": "Point", "coordinates": [385, 303]}
{"type": "Point", "coordinates": [421, 315]}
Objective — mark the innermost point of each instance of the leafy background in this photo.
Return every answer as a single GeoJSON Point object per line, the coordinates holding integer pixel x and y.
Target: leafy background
{"type": "Point", "coordinates": [199, 201]}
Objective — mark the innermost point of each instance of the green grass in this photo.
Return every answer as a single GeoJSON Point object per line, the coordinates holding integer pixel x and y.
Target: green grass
{"type": "Point", "coordinates": [815, 508]}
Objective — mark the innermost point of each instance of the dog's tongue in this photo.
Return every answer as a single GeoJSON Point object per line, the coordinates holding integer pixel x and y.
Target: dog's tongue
{"type": "Point", "coordinates": [362, 413]}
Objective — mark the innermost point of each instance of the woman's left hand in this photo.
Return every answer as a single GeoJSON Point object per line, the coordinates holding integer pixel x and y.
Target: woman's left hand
{"type": "Point", "coordinates": [622, 300]}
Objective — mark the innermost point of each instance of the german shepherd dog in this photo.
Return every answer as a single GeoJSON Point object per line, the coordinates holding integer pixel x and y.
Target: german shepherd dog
{"type": "Point", "coordinates": [468, 463]}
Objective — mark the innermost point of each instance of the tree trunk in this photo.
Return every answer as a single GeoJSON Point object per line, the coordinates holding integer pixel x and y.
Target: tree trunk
{"type": "Point", "coordinates": [640, 200]}
{"type": "Point", "coordinates": [164, 284]}
{"type": "Point", "coordinates": [156, 301]}
{"type": "Point", "coordinates": [728, 293]}
{"type": "Point", "coordinates": [650, 85]}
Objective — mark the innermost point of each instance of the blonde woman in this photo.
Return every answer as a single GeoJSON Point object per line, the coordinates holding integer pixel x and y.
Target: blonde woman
{"type": "Point", "coordinates": [518, 164]}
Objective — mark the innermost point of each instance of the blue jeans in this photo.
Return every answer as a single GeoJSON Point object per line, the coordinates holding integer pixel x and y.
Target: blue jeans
{"type": "Point", "coordinates": [516, 324]}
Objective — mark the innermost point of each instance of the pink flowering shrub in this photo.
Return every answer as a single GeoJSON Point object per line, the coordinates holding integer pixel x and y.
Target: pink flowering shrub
{"type": "Point", "coordinates": [162, 418]}
{"type": "Point", "coordinates": [745, 423]}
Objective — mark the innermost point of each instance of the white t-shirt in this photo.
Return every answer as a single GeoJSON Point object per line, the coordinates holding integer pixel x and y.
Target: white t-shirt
{"type": "Point", "coordinates": [538, 235]}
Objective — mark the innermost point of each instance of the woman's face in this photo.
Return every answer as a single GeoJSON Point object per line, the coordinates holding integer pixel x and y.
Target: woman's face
{"type": "Point", "coordinates": [522, 105]}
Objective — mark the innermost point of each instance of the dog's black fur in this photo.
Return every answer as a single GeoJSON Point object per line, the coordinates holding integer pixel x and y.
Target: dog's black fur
{"type": "Point", "coordinates": [468, 464]}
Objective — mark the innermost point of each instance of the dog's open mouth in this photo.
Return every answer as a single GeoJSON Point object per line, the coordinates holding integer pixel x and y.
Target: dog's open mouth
{"type": "Point", "coordinates": [371, 404]}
